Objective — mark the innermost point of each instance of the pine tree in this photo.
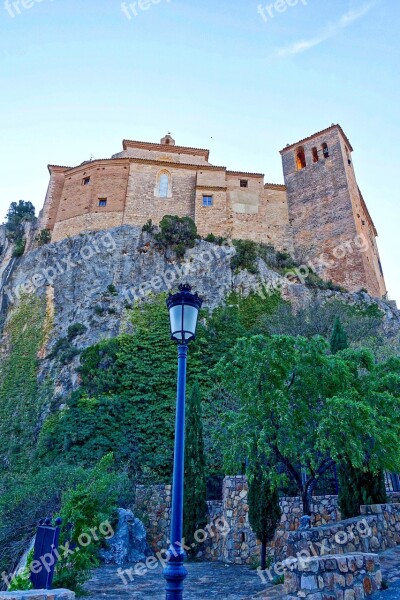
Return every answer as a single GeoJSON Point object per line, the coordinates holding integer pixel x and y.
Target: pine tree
{"type": "Point", "coordinates": [264, 510]}
{"type": "Point", "coordinates": [358, 488]}
{"type": "Point", "coordinates": [195, 505]}
{"type": "Point", "coordinates": [339, 337]}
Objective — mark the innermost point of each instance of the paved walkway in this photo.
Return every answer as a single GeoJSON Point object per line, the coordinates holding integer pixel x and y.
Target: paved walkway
{"type": "Point", "coordinates": [390, 562]}
{"type": "Point", "coordinates": [205, 581]}
{"type": "Point", "coordinates": [216, 580]}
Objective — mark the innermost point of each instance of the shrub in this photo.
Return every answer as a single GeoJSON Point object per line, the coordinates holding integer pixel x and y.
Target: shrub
{"type": "Point", "coordinates": [178, 233]}
{"type": "Point", "coordinates": [212, 239]}
{"type": "Point", "coordinates": [149, 227]}
{"type": "Point", "coordinates": [44, 237]}
{"type": "Point", "coordinates": [65, 350]}
{"type": "Point", "coordinates": [75, 330]}
{"type": "Point", "coordinates": [19, 248]}
{"type": "Point", "coordinates": [245, 257]}
{"type": "Point", "coordinates": [112, 290]}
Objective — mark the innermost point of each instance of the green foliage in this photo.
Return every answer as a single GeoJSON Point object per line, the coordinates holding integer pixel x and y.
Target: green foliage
{"type": "Point", "coordinates": [213, 239]}
{"type": "Point", "coordinates": [19, 248]}
{"type": "Point", "coordinates": [264, 509]}
{"type": "Point", "coordinates": [178, 233]}
{"type": "Point", "coordinates": [305, 408]}
{"type": "Point", "coordinates": [112, 290]}
{"type": "Point", "coordinates": [75, 330]}
{"type": "Point", "coordinates": [315, 281]}
{"type": "Point", "coordinates": [21, 397]}
{"type": "Point", "coordinates": [64, 350]}
{"type": "Point", "coordinates": [26, 498]}
{"type": "Point", "coordinates": [245, 257]}
{"type": "Point", "coordinates": [195, 506]}
{"type": "Point", "coordinates": [338, 339]}
{"type": "Point", "coordinates": [18, 214]}
{"type": "Point", "coordinates": [43, 237]}
{"type": "Point", "coordinates": [359, 487]}
{"type": "Point", "coordinates": [87, 511]}
{"type": "Point", "coordinates": [148, 227]}
{"type": "Point", "coordinates": [22, 581]}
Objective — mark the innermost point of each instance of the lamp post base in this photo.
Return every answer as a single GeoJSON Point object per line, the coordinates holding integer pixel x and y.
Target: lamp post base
{"type": "Point", "coordinates": [175, 573]}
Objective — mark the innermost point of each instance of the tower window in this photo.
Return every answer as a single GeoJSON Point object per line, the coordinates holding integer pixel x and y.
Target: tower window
{"type": "Point", "coordinates": [102, 201]}
{"type": "Point", "coordinates": [300, 158]}
{"type": "Point", "coordinates": [325, 150]}
{"type": "Point", "coordinates": [244, 183]}
{"type": "Point", "coordinates": [163, 189]}
{"type": "Point", "coordinates": [315, 156]}
{"type": "Point", "coordinates": [208, 200]}
{"type": "Point", "coordinates": [86, 181]}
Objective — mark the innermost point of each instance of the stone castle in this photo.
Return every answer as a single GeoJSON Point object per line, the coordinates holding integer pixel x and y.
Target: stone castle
{"type": "Point", "coordinates": [318, 213]}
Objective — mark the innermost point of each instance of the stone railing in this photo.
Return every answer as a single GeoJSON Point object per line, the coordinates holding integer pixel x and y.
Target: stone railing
{"type": "Point", "coordinates": [375, 531]}
{"type": "Point", "coordinates": [38, 595]}
{"type": "Point", "coordinates": [349, 577]}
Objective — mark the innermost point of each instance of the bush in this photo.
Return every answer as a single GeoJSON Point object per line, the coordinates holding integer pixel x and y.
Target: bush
{"type": "Point", "coordinates": [19, 248]}
{"type": "Point", "coordinates": [149, 227]}
{"type": "Point", "coordinates": [75, 330]}
{"type": "Point", "coordinates": [178, 233]}
{"type": "Point", "coordinates": [44, 237]}
{"type": "Point", "coordinates": [112, 290]}
{"type": "Point", "coordinates": [245, 257]}
{"type": "Point", "coordinates": [86, 508]}
{"type": "Point", "coordinates": [212, 239]}
{"type": "Point", "coordinates": [65, 350]}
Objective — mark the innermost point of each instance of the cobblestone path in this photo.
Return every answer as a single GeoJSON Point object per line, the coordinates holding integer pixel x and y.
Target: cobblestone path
{"type": "Point", "coordinates": [205, 581]}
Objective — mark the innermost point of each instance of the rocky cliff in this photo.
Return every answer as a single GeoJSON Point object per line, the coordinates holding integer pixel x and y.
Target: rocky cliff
{"type": "Point", "coordinates": [96, 278]}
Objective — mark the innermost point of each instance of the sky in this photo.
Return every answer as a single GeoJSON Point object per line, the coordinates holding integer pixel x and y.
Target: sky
{"type": "Point", "coordinates": [240, 78]}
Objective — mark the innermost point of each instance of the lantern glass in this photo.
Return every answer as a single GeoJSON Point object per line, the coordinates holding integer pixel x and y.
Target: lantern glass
{"type": "Point", "coordinates": [183, 312]}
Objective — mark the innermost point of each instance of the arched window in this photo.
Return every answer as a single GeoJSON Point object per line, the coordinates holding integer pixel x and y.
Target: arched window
{"type": "Point", "coordinates": [315, 156]}
{"type": "Point", "coordinates": [163, 187]}
{"type": "Point", "coordinates": [300, 158]}
{"type": "Point", "coordinates": [325, 150]}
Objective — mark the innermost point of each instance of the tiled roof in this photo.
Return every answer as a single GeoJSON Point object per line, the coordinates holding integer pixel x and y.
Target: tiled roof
{"type": "Point", "coordinates": [165, 148]}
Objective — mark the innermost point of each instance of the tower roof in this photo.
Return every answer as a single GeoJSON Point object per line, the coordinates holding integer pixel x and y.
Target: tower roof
{"type": "Point", "coordinates": [289, 146]}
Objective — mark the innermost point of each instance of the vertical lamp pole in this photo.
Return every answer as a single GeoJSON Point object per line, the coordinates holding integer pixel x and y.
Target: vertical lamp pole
{"type": "Point", "coordinates": [183, 313]}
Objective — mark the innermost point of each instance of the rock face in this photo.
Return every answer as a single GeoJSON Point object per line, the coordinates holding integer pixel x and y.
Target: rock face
{"type": "Point", "coordinates": [129, 543]}
{"type": "Point", "coordinates": [95, 278]}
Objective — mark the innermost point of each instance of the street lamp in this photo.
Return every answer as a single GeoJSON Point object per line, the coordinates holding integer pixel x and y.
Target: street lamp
{"type": "Point", "coordinates": [183, 313]}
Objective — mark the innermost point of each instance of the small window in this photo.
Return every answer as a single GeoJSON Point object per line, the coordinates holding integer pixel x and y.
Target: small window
{"type": "Point", "coordinates": [325, 150]}
{"type": "Point", "coordinates": [244, 183]}
{"type": "Point", "coordinates": [86, 181]}
{"type": "Point", "coordinates": [163, 189]}
{"type": "Point", "coordinates": [102, 201]}
{"type": "Point", "coordinates": [300, 158]}
{"type": "Point", "coordinates": [315, 156]}
{"type": "Point", "coordinates": [208, 200]}
{"type": "Point", "coordinates": [243, 538]}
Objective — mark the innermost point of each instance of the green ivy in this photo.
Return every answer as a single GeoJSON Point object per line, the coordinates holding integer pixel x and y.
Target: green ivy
{"type": "Point", "coordinates": [21, 397]}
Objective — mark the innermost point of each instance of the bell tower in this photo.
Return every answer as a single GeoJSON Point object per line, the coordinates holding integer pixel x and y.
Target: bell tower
{"type": "Point", "coordinates": [329, 218]}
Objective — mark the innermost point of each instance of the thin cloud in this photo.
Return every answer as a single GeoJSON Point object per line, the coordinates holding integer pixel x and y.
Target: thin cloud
{"type": "Point", "coordinates": [345, 20]}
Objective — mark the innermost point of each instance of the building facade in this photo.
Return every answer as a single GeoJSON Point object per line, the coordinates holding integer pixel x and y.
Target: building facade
{"type": "Point", "coordinates": [319, 212]}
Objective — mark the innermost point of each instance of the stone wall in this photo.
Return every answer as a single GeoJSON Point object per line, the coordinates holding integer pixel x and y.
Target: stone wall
{"type": "Point", "coordinates": [350, 577]}
{"type": "Point", "coordinates": [375, 531]}
{"type": "Point", "coordinates": [59, 594]}
{"type": "Point", "coordinates": [239, 543]}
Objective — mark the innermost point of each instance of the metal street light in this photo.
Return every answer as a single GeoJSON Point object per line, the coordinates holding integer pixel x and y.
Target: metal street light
{"type": "Point", "coordinates": [183, 313]}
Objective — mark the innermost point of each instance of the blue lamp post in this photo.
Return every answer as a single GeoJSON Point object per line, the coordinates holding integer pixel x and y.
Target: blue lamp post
{"type": "Point", "coordinates": [183, 313]}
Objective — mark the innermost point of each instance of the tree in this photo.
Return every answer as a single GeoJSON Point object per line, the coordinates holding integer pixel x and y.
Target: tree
{"type": "Point", "coordinates": [195, 506]}
{"type": "Point", "coordinates": [178, 233]}
{"type": "Point", "coordinates": [264, 510]}
{"type": "Point", "coordinates": [306, 409]}
{"type": "Point", "coordinates": [19, 213]}
{"type": "Point", "coordinates": [339, 337]}
{"type": "Point", "coordinates": [358, 488]}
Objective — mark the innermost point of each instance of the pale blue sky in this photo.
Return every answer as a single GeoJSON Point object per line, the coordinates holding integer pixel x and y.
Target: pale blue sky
{"type": "Point", "coordinates": [78, 77]}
